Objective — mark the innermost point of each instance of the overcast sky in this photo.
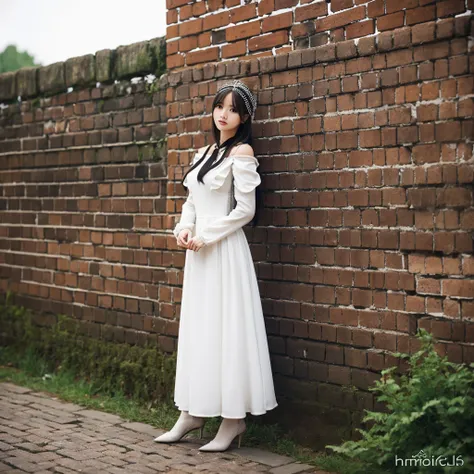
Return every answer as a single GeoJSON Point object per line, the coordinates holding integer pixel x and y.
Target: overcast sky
{"type": "Point", "coordinates": [55, 30]}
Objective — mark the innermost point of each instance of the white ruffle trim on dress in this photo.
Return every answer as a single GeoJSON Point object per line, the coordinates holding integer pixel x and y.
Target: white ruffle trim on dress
{"type": "Point", "coordinates": [244, 168]}
{"type": "Point", "coordinates": [246, 179]}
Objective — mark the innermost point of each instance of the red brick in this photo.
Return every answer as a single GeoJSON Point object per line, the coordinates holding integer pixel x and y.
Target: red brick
{"type": "Point", "coordinates": [235, 49]}
{"type": "Point", "coordinates": [194, 57]}
{"type": "Point", "coordinates": [385, 341]}
{"type": "Point", "coordinates": [277, 22]}
{"type": "Point", "coordinates": [429, 286]}
{"type": "Point", "coordinates": [337, 5]}
{"type": "Point", "coordinates": [339, 375]}
{"type": "Point", "coordinates": [363, 379]}
{"type": "Point", "coordinates": [370, 138]}
{"type": "Point", "coordinates": [449, 7]}
{"type": "Point", "coordinates": [245, 12]}
{"type": "Point", "coordinates": [460, 288]}
{"type": "Point", "coordinates": [334, 354]}
{"type": "Point", "coordinates": [324, 294]}
{"type": "Point", "coordinates": [355, 357]}
{"type": "Point", "coordinates": [375, 8]}
{"type": "Point", "coordinates": [268, 41]}
{"type": "Point", "coordinates": [317, 371]}
{"type": "Point", "coordinates": [246, 30]}
{"type": "Point", "coordinates": [426, 153]}
{"type": "Point", "coordinates": [431, 51]}
{"type": "Point", "coordinates": [400, 115]}
{"type": "Point", "coordinates": [346, 317]}
{"type": "Point", "coordinates": [311, 11]}
{"type": "Point", "coordinates": [453, 197]}
{"type": "Point", "coordinates": [401, 5]}
{"type": "Point", "coordinates": [360, 29]}
{"type": "Point", "coordinates": [390, 22]}
{"type": "Point", "coordinates": [337, 20]}
{"type": "Point", "coordinates": [420, 15]}
{"type": "Point", "coordinates": [468, 265]}
{"type": "Point", "coordinates": [361, 298]}
{"type": "Point", "coordinates": [361, 337]}
{"type": "Point", "coordinates": [448, 131]}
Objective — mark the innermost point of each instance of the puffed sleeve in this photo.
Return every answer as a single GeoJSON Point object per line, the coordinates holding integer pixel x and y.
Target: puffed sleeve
{"type": "Point", "coordinates": [188, 212]}
{"type": "Point", "coordinates": [246, 179]}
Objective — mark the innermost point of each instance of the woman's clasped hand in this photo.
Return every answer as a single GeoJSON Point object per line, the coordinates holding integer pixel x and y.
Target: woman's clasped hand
{"type": "Point", "coordinates": [191, 243]}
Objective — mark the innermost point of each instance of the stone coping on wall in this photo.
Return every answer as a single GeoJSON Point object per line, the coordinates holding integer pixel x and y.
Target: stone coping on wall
{"type": "Point", "coordinates": [105, 66]}
{"type": "Point", "coordinates": [143, 58]}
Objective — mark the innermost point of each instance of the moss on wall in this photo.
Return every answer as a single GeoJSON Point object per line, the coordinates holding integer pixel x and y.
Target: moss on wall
{"type": "Point", "coordinates": [143, 373]}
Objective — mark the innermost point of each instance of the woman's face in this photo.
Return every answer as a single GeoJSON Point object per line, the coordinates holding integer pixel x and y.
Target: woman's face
{"type": "Point", "coordinates": [226, 112]}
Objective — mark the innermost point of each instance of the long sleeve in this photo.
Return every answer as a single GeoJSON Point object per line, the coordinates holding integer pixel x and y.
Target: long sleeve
{"type": "Point", "coordinates": [188, 216]}
{"type": "Point", "coordinates": [246, 179]}
{"type": "Point", "coordinates": [188, 211]}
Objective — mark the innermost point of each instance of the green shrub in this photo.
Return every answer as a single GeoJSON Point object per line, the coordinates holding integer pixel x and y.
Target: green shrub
{"type": "Point", "coordinates": [430, 416]}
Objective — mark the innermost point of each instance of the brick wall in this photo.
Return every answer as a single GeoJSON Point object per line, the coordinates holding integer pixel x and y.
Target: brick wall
{"type": "Point", "coordinates": [83, 194]}
{"type": "Point", "coordinates": [219, 30]}
{"type": "Point", "coordinates": [364, 135]}
{"type": "Point", "coordinates": [365, 149]}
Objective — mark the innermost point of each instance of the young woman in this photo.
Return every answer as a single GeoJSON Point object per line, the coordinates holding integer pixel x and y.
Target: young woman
{"type": "Point", "coordinates": [223, 363]}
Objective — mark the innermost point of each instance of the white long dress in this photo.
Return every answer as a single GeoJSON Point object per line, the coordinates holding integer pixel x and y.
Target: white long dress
{"type": "Point", "coordinates": [223, 363]}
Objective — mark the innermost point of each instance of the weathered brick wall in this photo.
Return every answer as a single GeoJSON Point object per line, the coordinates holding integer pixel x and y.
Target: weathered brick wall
{"type": "Point", "coordinates": [365, 146]}
{"type": "Point", "coordinates": [218, 30]}
{"type": "Point", "coordinates": [365, 149]}
{"type": "Point", "coordinates": [83, 194]}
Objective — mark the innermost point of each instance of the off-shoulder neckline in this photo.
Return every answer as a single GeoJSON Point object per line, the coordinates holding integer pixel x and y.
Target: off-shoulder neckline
{"type": "Point", "coordinates": [230, 156]}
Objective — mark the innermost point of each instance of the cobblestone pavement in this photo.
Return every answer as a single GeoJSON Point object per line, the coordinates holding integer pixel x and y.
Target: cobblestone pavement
{"type": "Point", "coordinates": [40, 434]}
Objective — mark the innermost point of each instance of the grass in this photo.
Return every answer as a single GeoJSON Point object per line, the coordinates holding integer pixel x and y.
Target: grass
{"type": "Point", "coordinates": [29, 371]}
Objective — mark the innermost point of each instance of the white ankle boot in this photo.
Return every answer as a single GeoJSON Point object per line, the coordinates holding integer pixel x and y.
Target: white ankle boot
{"type": "Point", "coordinates": [228, 430]}
{"type": "Point", "coordinates": [183, 426]}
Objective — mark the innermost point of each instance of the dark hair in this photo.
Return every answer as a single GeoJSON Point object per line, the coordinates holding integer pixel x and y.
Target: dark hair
{"type": "Point", "coordinates": [243, 135]}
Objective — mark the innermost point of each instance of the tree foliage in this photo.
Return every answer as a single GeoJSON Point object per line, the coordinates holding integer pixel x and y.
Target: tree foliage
{"type": "Point", "coordinates": [11, 59]}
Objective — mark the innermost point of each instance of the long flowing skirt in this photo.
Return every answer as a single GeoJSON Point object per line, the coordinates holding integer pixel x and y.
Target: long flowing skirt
{"type": "Point", "coordinates": [223, 362]}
